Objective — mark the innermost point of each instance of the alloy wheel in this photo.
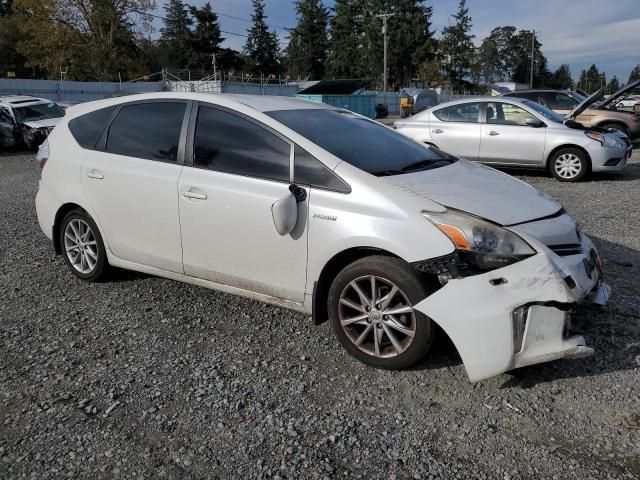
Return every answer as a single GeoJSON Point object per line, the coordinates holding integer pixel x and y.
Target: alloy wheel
{"type": "Point", "coordinates": [567, 165]}
{"type": "Point", "coordinates": [80, 246]}
{"type": "Point", "coordinates": [377, 316]}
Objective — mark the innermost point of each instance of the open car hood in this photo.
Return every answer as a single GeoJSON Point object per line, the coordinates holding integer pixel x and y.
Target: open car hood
{"type": "Point", "coordinates": [479, 190]}
{"type": "Point", "coordinates": [48, 122]}
{"type": "Point", "coordinates": [586, 103]}
{"type": "Point", "coordinates": [620, 93]}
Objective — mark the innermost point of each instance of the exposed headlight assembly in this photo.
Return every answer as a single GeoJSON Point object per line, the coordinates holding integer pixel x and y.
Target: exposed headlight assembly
{"type": "Point", "coordinates": [605, 139]}
{"type": "Point", "coordinates": [482, 244]}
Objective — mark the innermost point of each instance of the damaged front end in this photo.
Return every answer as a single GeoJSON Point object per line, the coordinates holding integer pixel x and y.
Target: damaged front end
{"type": "Point", "coordinates": [501, 318]}
{"type": "Point", "coordinates": [33, 136]}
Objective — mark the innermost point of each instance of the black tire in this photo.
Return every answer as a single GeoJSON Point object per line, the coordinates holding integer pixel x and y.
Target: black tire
{"type": "Point", "coordinates": [616, 126]}
{"type": "Point", "coordinates": [411, 286]}
{"type": "Point", "coordinates": [575, 155]}
{"type": "Point", "coordinates": [101, 265]}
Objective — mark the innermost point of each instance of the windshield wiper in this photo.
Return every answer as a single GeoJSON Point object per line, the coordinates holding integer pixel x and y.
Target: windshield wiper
{"type": "Point", "coordinates": [426, 165]}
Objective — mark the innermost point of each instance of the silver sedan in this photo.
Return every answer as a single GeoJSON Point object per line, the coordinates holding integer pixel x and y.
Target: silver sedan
{"type": "Point", "coordinates": [518, 133]}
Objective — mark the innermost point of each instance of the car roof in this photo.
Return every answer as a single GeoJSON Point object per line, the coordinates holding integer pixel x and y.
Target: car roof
{"type": "Point", "coordinates": [21, 100]}
{"type": "Point", "coordinates": [472, 99]}
{"type": "Point", "coordinates": [535, 90]}
{"type": "Point", "coordinates": [260, 103]}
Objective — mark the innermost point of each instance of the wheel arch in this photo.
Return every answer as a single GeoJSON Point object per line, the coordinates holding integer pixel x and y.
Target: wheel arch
{"type": "Point", "coordinates": [62, 211]}
{"type": "Point", "coordinates": [614, 122]}
{"type": "Point", "coordinates": [562, 147]}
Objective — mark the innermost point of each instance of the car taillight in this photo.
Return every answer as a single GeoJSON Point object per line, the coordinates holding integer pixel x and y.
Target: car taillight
{"type": "Point", "coordinates": [43, 154]}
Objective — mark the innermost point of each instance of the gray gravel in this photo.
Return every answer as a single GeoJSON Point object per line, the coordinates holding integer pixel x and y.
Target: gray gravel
{"type": "Point", "coordinates": [143, 377]}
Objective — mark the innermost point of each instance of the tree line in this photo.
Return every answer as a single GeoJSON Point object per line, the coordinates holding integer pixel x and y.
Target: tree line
{"type": "Point", "coordinates": [115, 39]}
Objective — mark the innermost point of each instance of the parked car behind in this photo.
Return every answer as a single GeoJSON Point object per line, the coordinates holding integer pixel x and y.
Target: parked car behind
{"type": "Point", "coordinates": [591, 111]}
{"type": "Point", "coordinates": [511, 132]}
{"type": "Point", "coordinates": [321, 210]}
{"type": "Point", "coordinates": [27, 120]}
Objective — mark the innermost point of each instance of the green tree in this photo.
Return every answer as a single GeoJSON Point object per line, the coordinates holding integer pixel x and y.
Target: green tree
{"type": "Point", "coordinates": [456, 46]}
{"type": "Point", "coordinates": [635, 74]}
{"type": "Point", "coordinates": [346, 40]}
{"type": "Point", "coordinates": [206, 37]}
{"type": "Point", "coordinates": [591, 79]}
{"type": "Point", "coordinates": [494, 55]}
{"type": "Point", "coordinates": [176, 35]}
{"type": "Point", "coordinates": [561, 78]}
{"type": "Point", "coordinates": [262, 45]}
{"type": "Point", "coordinates": [10, 35]}
{"type": "Point", "coordinates": [613, 85]}
{"type": "Point", "coordinates": [520, 60]}
{"type": "Point", "coordinates": [306, 54]}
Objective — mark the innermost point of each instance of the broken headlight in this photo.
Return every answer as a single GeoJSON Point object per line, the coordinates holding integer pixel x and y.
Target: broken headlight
{"type": "Point", "coordinates": [480, 243]}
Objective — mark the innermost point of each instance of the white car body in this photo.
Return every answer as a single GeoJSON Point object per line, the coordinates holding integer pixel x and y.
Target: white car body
{"type": "Point", "coordinates": [13, 129]}
{"type": "Point", "coordinates": [216, 230]}
{"type": "Point", "coordinates": [504, 145]}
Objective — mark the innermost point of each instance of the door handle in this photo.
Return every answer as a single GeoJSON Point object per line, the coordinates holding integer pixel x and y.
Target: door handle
{"type": "Point", "coordinates": [438, 130]}
{"type": "Point", "coordinates": [194, 195]}
{"type": "Point", "coordinates": [95, 174]}
{"type": "Point", "coordinates": [493, 133]}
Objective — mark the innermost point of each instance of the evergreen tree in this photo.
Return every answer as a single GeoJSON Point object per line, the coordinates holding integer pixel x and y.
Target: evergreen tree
{"type": "Point", "coordinates": [262, 45]}
{"type": "Point", "coordinates": [635, 74]}
{"type": "Point", "coordinates": [206, 37]}
{"type": "Point", "coordinates": [494, 55]}
{"type": "Point", "coordinates": [346, 41]}
{"type": "Point", "coordinates": [520, 60]}
{"type": "Point", "coordinates": [562, 77]}
{"type": "Point", "coordinates": [176, 35]}
{"type": "Point", "coordinates": [613, 85]}
{"type": "Point", "coordinates": [457, 46]}
{"type": "Point", "coordinates": [591, 80]}
{"type": "Point", "coordinates": [306, 54]}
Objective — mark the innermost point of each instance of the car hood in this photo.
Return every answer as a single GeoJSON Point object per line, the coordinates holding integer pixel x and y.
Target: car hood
{"type": "Point", "coordinates": [479, 190]}
{"type": "Point", "coordinates": [620, 92]}
{"type": "Point", "coordinates": [586, 103]}
{"type": "Point", "coordinates": [47, 122]}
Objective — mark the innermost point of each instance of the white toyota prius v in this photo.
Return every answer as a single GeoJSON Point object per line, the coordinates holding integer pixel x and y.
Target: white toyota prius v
{"type": "Point", "coordinates": [320, 210]}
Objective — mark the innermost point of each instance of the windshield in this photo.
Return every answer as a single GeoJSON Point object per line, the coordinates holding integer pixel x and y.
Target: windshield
{"type": "Point", "coordinates": [577, 96]}
{"type": "Point", "coordinates": [544, 111]}
{"type": "Point", "coordinates": [40, 111]}
{"type": "Point", "coordinates": [362, 143]}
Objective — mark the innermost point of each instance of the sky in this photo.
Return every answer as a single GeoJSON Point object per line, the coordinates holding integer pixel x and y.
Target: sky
{"type": "Point", "coordinates": [577, 32]}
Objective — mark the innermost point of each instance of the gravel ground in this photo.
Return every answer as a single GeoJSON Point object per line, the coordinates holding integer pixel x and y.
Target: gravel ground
{"type": "Point", "coordinates": [143, 377]}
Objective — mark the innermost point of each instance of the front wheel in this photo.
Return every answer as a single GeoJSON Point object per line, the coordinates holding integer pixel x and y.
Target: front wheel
{"type": "Point", "coordinates": [82, 246]}
{"type": "Point", "coordinates": [569, 165]}
{"type": "Point", "coordinates": [371, 309]}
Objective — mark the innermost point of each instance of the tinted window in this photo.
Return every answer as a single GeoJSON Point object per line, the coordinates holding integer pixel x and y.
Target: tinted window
{"type": "Point", "coordinates": [365, 144]}
{"type": "Point", "coordinates": [229, 143]}
{"type": "Point", "coordinates": [309, 170]}
{"type": "Point", "coordinates": [464, 112]}
{"type": "Point", "coordinates": [544, 111]}
{"type": "Point", "coordinates": [558, 101]}
{"type": "Point", "coordinates": [86, 129]}
{"type": "Point", "coordinates": [507, 114]}
{"type": "Point", "coordinates": [147, 130]}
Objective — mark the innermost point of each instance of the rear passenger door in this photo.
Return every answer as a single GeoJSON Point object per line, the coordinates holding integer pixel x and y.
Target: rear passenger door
{"type": "Point", "coordinates": [130, 177]}
{"type": "Point", "coordinates": [456, 130]}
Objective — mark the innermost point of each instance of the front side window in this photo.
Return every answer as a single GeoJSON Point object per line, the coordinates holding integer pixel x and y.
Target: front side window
{"type": "Point", "coordinates": [363, 143]}
{"type": "Point", "coordinates": [229, 143]}
{"type": "Point", "coordinates": [308, 170]}
{"type": "Point", "coordinates": [147, 130]}
{"type": "Point", "coordinates": [463, 112]}
{"type": "Point", "coordinates": [506, 114]}
{"type": "Point", "coordinates": [86, 129]}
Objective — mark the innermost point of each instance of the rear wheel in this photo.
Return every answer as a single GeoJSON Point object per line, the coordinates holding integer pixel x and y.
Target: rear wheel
{"type": "Point", "coordinates": [569, 165]}
{"type": "Point", "coordinates": [371, 308]}
{"type": "Point", "coordinates": [82, 246]}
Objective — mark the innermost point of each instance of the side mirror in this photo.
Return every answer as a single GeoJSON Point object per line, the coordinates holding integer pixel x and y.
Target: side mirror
{"type": "Point", "coordinates": [285, 214]}
{"type": "Point", "coordinates": [534, 122]}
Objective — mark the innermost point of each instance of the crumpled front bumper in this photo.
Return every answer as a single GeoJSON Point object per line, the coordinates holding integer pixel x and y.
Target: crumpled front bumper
{"type": "Point", "coordinates": [521, 318]}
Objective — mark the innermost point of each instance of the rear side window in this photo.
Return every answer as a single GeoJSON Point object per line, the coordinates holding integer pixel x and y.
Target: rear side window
{"type": "Point", "coordinates": [147, 130]}
{"type": "Point", "coordinates": [86, 129]}
{"type": "Point", "coordinates": [229, 143]}
{"type": "Point", "coordinates": [308, 170]}
{"type": "Point", "coordinates": [463, 112]}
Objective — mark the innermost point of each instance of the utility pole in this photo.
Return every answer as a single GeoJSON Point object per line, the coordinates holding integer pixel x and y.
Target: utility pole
{"type": "Point", "coordinates": [385, 17]}
{"type": "Point", "coordinates": [533, 44]}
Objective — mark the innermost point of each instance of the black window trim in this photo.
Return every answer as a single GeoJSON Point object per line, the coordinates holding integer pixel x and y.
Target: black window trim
{"type": "Point", "coordinates": [101, 144]}
{"type": "Point", "coordinates": [459, 121]}
{"type": "Point", "coordinates": [190, 143]}
{"type": "Point", "coordinates": [346, 191]}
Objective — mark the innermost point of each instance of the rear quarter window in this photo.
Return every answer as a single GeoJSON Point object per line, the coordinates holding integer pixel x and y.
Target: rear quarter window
{"type": "Point", "coordinates": [87, 128]}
